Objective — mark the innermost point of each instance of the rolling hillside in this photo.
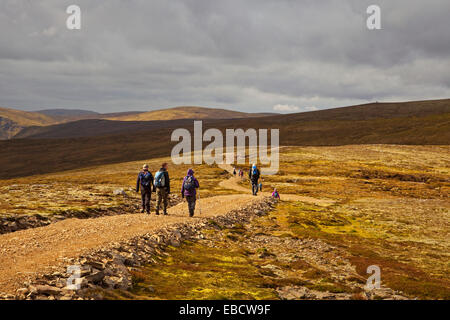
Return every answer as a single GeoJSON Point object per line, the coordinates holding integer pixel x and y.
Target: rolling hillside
{"type": "Point", "coordinates": [83, 123]}
{"type": "Point", "coordinates": [187, 113]}
{"type": "Point", "coordinates": [67, 115]}
{"type": "Point", "coordinates": [421, 123]}
{"type": "Point", "coordinates": [94, 128]}
{"type": "Point", "coordinates": [369, 123]}
{"type": "Point", "coordinates": [114, 123]}
{"type": "Point", "coordinates": [12, 121]}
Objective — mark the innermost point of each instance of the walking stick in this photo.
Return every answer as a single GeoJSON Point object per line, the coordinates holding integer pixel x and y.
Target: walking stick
{"type": "Point", "coordinates": [199, 206]}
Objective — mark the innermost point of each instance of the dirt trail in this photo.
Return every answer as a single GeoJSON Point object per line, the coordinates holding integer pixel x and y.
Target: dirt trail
{"type": "Point", "coordinates": [24, 253]}
{"type": "Point", "coordinates": [233, 183]}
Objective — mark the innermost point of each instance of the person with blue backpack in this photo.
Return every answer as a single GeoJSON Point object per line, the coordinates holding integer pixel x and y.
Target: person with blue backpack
{"type": "Point", "coordinates": [145, 183]}
{"type": "Point", "coordinates": [254, 175]}
{"type": "Point", "coordinates": [162, 185]}
{"type": "Point", "coordinates": [188, 190]}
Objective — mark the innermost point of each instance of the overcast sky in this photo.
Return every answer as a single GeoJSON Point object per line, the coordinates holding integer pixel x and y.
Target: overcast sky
{"type": "Point", "coordinates": [254, 56]}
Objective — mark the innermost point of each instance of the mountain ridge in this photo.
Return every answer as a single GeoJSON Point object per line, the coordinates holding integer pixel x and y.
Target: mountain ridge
{"type": "Point", "coordinates": [427, 123]}
{"type": "Point", "coordinates": [16, 123]}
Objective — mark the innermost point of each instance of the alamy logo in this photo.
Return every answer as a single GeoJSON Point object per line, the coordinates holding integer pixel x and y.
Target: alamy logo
{"type": "Point", "coordinates": [374, 20]}
{"type": "Point", "coordinates": [374, 281]}
{"type": "Point", "coordinates": [74, 281]}
{"type": "Point", "coordinates": [73, 22]}
{"type": "Point", "coordinates": [257, 149]}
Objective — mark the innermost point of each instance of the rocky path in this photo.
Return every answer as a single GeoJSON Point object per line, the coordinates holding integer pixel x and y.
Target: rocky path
{"type": "Point", "coordinates": [25, 253]}
{"type": "Point", "coordinates": [233, 183]}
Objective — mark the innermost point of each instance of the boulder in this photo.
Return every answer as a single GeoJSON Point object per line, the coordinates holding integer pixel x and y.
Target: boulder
{"type": "Point", "coordinates": [95, 277]}
{"type": "Point", "coordinates": [97, 265]}
{"type": "Point", "coordinates": [48, 290]}
{"type": "Point", "coordinates": [119, 192]}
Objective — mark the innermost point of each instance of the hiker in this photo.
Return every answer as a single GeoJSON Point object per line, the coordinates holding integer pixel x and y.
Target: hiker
{"type": "Point", "coordinates": [190, 183]}
{"type": "Point", "coordinates": [241, 173]}
{"type": "Point", "coordinates": [260, 186]}
{"type": "Point", "coordinates": [275, 194]}
{"type": "Point", "coordinates": [145, 183]}
{"type": "Point", "coordinates": [254, 175]}
{"type": "Point", "coordinates": [162, 184]}
{"type": "Point", "coordinates": [234, 172]}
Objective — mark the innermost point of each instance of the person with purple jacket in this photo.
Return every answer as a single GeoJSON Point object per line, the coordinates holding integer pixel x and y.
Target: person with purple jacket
{"type": "Point", "coordinates": [275, 194]}
{"type": "Point", "coordinates": [188, 190]}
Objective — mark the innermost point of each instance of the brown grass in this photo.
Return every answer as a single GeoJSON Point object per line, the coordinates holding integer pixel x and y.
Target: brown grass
{"type": "Point", "coordinates": [392, 209]}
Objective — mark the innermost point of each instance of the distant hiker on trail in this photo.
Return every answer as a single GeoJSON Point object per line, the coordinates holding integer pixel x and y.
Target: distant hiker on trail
{"type": "Point", "coordinates": [275, 194]}
{"type": "Point", "coordinates": [234, 171]}
{"type": "Point", "coordinates": [145, 183]}
{"type": "Point", "coordinates": [254, 175]}
{"type": "Point", "coordinates": [190, 183]}
{"type": "Point", "coordinates": [241, 173]}
{"type": "Point", "coordinates": [162, 184]}
{"type": "Point", "coordinates": [260, 186]}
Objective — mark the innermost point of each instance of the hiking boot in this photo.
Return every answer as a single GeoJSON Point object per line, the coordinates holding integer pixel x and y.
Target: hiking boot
{"type": "Point", "coordinates": [148, 212]}
{"type": "Point", "coordinates": [157, 213]}
{"type": "Point", "coordinates": [165, 213]}
{"type": "Point", "coordinates": [142, 211]}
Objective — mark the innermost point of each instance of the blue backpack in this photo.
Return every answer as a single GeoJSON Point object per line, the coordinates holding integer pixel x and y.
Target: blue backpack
{"type": "Point", "coordinates": [255, 171]}
{"type": "Point", "coordinates": [160, 179]}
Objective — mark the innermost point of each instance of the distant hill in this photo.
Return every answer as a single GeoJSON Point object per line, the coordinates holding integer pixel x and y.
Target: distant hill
{"type": "Point", "coordinates": [66, 112]}
{"type": "Point", "coordinates": [66, 115]}
{"type": "Point", "coordinates": [21, 124]}
{"type": "Point", "coordinates": [93, 128]}
{"type": "Point", "coordinates": [339, 124]}
{"type": "Point", "coordinates": [12, 121]}
{"type": "Point", "coordinates": [114, 123]}
{"type": "Point", "coordinates": [187, 113]}
{"type": "Point", "coordinates": [410, 123]}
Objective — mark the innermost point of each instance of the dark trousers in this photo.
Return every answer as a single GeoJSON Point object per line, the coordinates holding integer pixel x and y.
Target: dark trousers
{"type": "Point", "coordinates": [161, 196]}
{"type": "Point", "coordinates": [191, 204]}
{"type": "Point", "coordinates": [255, 188]}
{"type": "Point", "coordinates": [146, 195]}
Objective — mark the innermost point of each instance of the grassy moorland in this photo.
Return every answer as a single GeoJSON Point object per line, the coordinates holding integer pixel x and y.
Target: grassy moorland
{"type": "Point", "coordinates": [391, 209]}
{"type": "Point", "coordinates": [92, 188]}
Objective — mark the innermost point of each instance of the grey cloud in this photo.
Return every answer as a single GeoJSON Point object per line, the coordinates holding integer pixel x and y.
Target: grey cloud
{"type": "Point", "coordinates": [247, 55]}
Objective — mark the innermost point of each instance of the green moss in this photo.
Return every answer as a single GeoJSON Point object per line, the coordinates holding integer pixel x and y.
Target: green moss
{"type": "Point", "coordinates": [365, 241]}
{"type": "Point", "coordinates": [194, 271]}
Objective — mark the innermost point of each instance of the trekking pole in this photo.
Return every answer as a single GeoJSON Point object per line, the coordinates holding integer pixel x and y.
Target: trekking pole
{"type": "Point", "coordinates": [199, 206]}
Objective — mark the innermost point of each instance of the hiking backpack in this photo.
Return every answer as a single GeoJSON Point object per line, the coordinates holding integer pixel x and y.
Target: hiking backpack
{"type": "Point", "coordinates": [189, 183]}
{"type": "Point", "coordinates": [160, 179]}
{"type": "Point", "coordinates": [145, 179]}
{"type": "Point", "coordinates": [254, 171]}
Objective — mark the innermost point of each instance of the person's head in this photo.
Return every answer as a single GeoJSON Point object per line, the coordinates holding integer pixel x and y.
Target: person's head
{"type": "Point", "coordinates": [145, 167]}
{"type": "Point", "coordinates": [164, 165]}
{"type": "Point", "coordinates": [190, 172]}
{"type": "Point", "coordinates": [274, 189]}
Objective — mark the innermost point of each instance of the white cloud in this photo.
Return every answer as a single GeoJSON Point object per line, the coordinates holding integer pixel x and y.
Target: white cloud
{"type": "Point", "coordinates": [285, 107]}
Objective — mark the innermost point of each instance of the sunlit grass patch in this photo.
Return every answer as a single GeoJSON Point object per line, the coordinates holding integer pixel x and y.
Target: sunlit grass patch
{"type": "Point", "coordinates": [199, 272]}
{"type": "Point", "coordinates": [92, 188]}
{"type": "Point", "coordinates": [414, 267]}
